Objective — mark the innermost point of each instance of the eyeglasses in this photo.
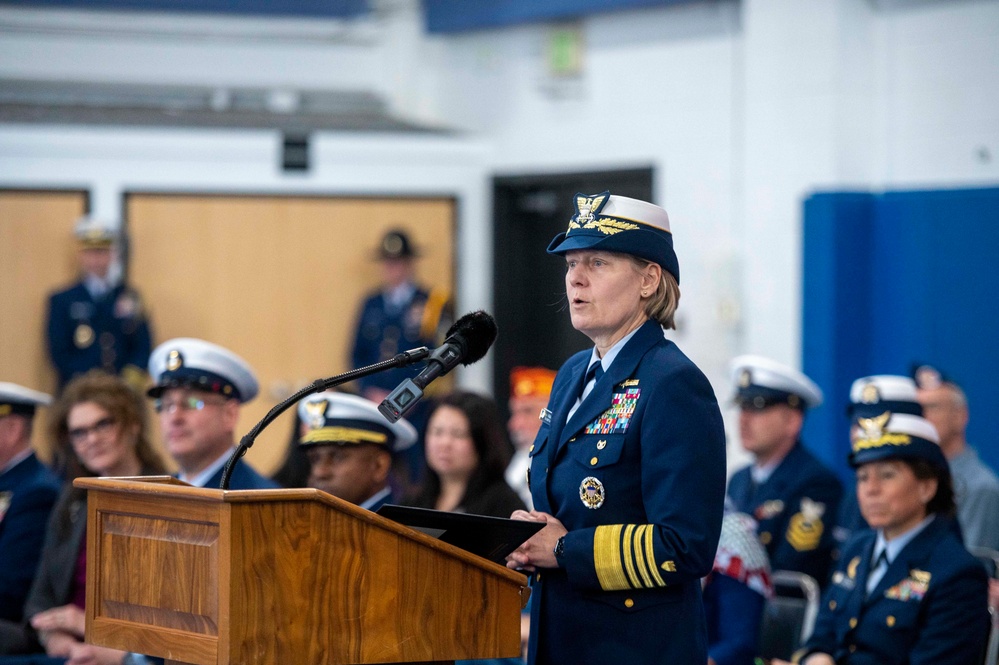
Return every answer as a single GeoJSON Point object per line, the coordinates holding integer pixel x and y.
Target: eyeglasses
{"type": "Point", "coordinates": [101, 427]}
{"type": "Point", "coordinates": [189, 403]}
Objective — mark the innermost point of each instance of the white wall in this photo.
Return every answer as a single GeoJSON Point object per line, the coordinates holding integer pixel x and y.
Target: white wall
{"type": "Point", "coordinates": [743, 109]}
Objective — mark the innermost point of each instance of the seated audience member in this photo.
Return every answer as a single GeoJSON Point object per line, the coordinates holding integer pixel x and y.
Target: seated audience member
{"type": "Point", "coordinates": [199, 387]}
{"type": "Point", "coordinates": [906, 590]}
{"type": "Point", "coordinates": [792, 496]}
{"type": "Point", "coordinates": [103, 421]}
{"type": "Point", "coordinates": [465, 457]}
{"type": "Point", "coordinates": [28, 491]}
{"type": "Point", "coordinates": [530, 388]}
{"type": "Point", "coordinates": [976, 488]}
{"type": "Point", "coordinates": [294, 470]}
{"type": "Point", "coordinates": [871, 396]}
{"type": "Point", "coordinates": [735, 593]}
{"type": "Point", "coordinates": [349, 445]}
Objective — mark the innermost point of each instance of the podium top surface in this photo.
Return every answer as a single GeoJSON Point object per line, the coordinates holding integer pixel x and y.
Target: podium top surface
{"type": "Point", "coordinates": [167, 488]}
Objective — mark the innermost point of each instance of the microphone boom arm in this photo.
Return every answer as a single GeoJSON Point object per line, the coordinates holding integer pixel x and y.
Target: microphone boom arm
{"type": "Point", "coordinates": [319, 385]}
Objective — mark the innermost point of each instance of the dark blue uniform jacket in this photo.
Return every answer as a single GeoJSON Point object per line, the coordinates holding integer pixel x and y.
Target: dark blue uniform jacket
{"type": "Point", "coordinates": [637, 476]}
{"type": "Point", "coordinates": [29, 491]}
{"type": "Point", "coordinates": [929, 608]}
{"type": "Point", "coordinates": [108, 333]}
{"type": "Point", "coordinates": [796, 510]}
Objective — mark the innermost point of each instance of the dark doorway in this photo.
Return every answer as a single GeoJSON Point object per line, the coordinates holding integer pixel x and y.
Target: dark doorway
{"type": "Point", "coordinates": [528, 283]}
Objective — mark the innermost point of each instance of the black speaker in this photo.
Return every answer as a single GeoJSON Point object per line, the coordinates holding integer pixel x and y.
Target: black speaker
{"type": "Point", "coordinates": [295, 152]}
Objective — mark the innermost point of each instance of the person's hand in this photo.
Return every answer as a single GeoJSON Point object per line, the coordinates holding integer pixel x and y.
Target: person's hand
{"type": "Point", "coordinates": [57, 643]}
{"type": "Point", "coordinates": [994, 594]}
{"type": "Point", "coordinates": [89, 654]}
{"type": "Point", "coordinates": [539, 551]}
{"type": "Point", "coordinates": [67, 619]}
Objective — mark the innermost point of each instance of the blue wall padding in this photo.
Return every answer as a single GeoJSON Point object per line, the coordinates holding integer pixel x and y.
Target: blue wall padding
{"type": "Point", "coordinates": [836, 300]}
{"type": "Point", "coordinates": [917, 284]}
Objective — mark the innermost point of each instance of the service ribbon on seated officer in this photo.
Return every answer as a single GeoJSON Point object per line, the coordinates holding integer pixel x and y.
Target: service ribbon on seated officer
{"type": "Point", "coordinates": [350, 444]}
{"type": "Point", "coordinates": [628, 468]}
{"type": "Point", "coordinates": [905, 592]}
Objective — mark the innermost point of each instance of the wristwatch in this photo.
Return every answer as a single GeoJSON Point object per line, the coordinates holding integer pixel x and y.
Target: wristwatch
{"type": "Point", "coordinates": [559, 550]}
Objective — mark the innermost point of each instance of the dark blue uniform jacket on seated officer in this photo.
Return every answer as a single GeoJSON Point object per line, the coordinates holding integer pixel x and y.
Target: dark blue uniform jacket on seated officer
{"type": "Point", "coordinates": [652, 475]}
{"type": "Point", "coordinates": [110, 332]}
{"type": "Point", "coordinates": [929, 608]}
{"type": "Point", "coordinates": [795, 508]}
{"type": "Point", "coordinates": [27, 493]}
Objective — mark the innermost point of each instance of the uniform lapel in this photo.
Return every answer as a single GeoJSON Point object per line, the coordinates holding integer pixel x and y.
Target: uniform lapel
{"type": "Point", "coordinates": [856, 601]}
{"type": "Point", "coordinates": [622, 368]}
{"type": "Point", "coordinates": [912, 556]}
{"type": "Point", "coordinates": [565, 400]}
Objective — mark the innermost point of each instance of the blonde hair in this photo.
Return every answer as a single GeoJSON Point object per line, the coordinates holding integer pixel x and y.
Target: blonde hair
{"type": "Point", "coordinates": [661, 306]}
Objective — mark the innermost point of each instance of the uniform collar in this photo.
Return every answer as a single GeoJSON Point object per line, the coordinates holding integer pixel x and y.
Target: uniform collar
{"type": "Point", "coordinates": [895, 546]}
{"type": "Point", "coordinates": [202, 478]}
{"type": "Point", "coordinates": [17, 459]}
{"type": "Point", "coordinates": [375, 498]}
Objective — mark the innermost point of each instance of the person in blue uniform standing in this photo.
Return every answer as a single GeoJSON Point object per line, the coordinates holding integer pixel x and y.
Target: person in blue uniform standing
{"type": "Point", "coordinates": [905, 591]}
{"type": "Point", "coordinates": [349, 444]}
{"type": "Point", "coordinates": [628, 468]}
{"type": "Point", "coordinates": [788, 491]}
{"type": "Point", "coordinates": [99, 322]}
{"type": "Point", "coordinates": [199, 387]}
{"type": "Point", "coordinates": [28, 490]}
{"type": "Point", "coordinates": [401, 315]}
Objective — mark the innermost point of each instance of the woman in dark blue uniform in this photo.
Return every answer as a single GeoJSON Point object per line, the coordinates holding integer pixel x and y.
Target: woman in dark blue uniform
{"type": "Point", "coordinates": [628, 469]}
{"type": "Point", "coordinates": [906, 591]}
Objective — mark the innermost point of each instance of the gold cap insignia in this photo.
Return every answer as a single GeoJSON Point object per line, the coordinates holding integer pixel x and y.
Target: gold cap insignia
{"type": "Point", "coordinates": [316, 413]}
{"type": "Point", "coordinates": [745, 378]}
{"type": "Point", "coordinates": [870, 394]}
{"type": "Point", "coordinates": [175, 360]}
{"type": "Point", "coordinates": [591, 492]}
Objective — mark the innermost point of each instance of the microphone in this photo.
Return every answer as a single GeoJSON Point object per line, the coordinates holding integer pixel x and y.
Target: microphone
{"type": "Point", "coordinates": [465, 342]}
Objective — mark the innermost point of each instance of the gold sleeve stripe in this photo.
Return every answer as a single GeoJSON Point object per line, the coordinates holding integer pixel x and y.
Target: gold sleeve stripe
{"type": "Point", "coordinates": [641, 563]}
{"type": "Point", "coordinates": [607, 558]}
{"type": "Point", "coordinates": [629, 561]}
{"type": "Point", "coordinates": [650, 558]}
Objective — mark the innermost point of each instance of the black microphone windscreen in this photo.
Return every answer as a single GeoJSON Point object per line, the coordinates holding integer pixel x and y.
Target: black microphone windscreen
{"type": "Point", "coordinates": [478, 332]}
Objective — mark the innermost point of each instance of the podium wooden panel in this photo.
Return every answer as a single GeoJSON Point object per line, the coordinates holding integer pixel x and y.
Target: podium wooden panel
{"type": "Point", "coordinates": [283, 576]}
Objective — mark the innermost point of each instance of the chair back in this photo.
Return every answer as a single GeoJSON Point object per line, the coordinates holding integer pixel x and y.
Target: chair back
{"type": "Point", "coordinates": [788, 617]}
{"type": "Point", "coordinates": [990, 559]}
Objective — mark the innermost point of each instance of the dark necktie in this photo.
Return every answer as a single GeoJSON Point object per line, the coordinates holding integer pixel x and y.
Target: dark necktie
{"type": "Point", "coordinates": [594, 371]}
{"type": "Point", "coordinates": [874, 577]}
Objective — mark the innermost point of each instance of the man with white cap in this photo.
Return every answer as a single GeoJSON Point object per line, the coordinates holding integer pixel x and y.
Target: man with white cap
{"type": "Point", "coordinates": [28, 490]}
{"type": "Point", "coordinates": [99, 322]}
{"type": "Point", "coordinates": [349, 445]}
{"type": "Point", "coordinates": [199, 387]}
{"type": "Point", "coordinates": [789, 492]}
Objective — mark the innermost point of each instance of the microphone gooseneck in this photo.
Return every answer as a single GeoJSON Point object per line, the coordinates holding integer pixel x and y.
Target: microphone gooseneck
{"type": "Point", "coordinates": [319, 385]}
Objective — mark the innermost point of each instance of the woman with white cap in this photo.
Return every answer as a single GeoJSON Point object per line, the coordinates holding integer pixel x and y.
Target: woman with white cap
{"type": "Point", "coordinates": [628, 469]}
{"type": "Point", "coordinates": [905, 591]}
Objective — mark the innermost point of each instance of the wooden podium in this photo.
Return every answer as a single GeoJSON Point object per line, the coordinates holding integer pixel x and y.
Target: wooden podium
{"type": "Point", "coordinates": [283, 576]}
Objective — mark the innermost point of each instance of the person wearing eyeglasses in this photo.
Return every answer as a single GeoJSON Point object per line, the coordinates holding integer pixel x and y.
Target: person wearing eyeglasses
{"type": "Point", "coordinates": [199, 388]}
{"type": "Point", "coordinates": [100, 424]}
